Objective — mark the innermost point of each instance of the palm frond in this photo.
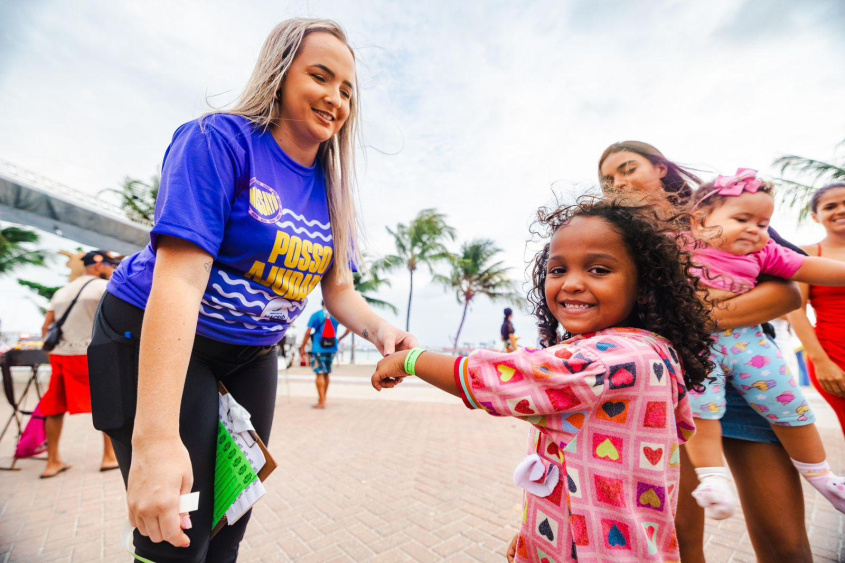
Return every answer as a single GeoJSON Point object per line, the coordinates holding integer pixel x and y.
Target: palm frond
{"type": "Point", "coordinates": [817, 169]}
{"type": "Point", "coordinates": [812, 174]}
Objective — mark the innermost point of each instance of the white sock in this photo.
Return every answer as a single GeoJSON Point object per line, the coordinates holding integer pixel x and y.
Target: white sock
{"type": "Point", "coordinates": [714, 493]}
{"type": "Point", "coordinates": [825, 481]}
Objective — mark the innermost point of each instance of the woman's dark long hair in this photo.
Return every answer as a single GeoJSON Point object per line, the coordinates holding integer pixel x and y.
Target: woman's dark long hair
{"type": "Point", "coordinates": [678, 183]}
{"type": "Point", "coordinates": [667, 303]}
{"type": "Point", "coordinates": [817, 196]}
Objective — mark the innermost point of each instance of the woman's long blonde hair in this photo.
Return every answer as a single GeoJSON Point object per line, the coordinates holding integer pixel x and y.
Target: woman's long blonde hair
{"type": "Point", "coordinates": [260, 102]}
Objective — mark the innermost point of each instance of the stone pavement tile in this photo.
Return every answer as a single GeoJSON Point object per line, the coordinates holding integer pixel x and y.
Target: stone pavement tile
{"type": "Point", "coordinates": [330, 538]}
{"type": "Point", "coordinates": [393, 556]}
{"type": "Point", "coordinates": [716, 552]}
{"type": "Point", "coordinates": [87, 552]}
{"type": "Point", "coordinates": [266, 549]}
{"type": "Point", "coordinates": [26, 549]}
{"type": "Point", "coordinates": [330, 553]}
{"type": "Point", "coordinates": [55, 557]}
{"type": "Point", "coordinates": [479, 554]}
{"type": "Point", "coordinates": [416, 552]}
{"type": "Point", "coordinates": [356, 550]}
{"type": "Point", "coordinates": [384, 545]}
{"type": "Point", "coordinates": [423, 537]}
{"type": "Point", "coordinates": [826, 556]}
{"type": "Point", "coordinates": [292, 547]}
{"type": "Point", "coordinates": [456, 544]}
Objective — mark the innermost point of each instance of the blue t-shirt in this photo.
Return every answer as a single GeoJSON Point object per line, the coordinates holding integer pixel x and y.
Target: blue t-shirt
{"type": "Point", "coordinates": [232, 191]}
{"type": "Point", "coordinates": [315, 325]}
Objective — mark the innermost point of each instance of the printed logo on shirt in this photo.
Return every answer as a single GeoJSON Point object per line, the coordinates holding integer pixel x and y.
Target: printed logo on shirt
{"type": "Point", "coordinates": [264, 203]}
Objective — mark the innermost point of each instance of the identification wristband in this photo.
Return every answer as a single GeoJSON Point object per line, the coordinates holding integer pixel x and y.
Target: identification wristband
{"type": "Point", "coordinates": [411, 360]}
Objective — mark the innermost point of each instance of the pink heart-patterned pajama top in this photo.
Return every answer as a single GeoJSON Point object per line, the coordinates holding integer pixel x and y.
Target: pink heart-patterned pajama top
{"type": "Point", "coordinates": [609, 409]}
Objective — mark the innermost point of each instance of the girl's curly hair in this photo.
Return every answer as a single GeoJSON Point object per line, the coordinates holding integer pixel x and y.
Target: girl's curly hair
{"type": "Point", "coordinates": [667, 303]}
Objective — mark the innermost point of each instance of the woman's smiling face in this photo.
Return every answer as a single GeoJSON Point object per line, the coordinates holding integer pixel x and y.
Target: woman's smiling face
{"type": "Point", "coordinates": [830, 211]}
{"type": "Point", "coordinates": [591, 279]}
{"type": "Point", "coordinates": [317, 90]}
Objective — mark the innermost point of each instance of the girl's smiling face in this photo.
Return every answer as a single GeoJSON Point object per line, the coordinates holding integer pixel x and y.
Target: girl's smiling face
{"type": "Point", "coordinates": [591, 279]}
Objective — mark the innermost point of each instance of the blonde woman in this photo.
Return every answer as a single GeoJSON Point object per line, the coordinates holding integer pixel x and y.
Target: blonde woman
{"type": "Point", "coordinates": [255, 211]}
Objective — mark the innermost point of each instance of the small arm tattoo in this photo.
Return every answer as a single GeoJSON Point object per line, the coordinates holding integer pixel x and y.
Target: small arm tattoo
{"type": "Point", "coordinates": [366, 334]}
{"type": "Point", "coordinates": [207, 267]}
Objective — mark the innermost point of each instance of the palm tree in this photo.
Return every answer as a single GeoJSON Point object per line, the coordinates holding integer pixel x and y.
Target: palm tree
{"type": "Point", "coordinates": [420, 242]}
{"type": "Point", "coordinates": [13, 250]}
{"type": "Point", "coordinates": [138, 199]}
{"type": "Point", "coordinates": [817, 172]}
{"type": "Point", "coordinates": [368, 284]}
{"type": "Point", "coordinates": [473, 274]}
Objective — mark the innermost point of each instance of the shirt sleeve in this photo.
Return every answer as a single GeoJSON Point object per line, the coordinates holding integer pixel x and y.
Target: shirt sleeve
{"type": "Point", "coordinates": [775, 236]}
{"type": "Point", "coordinates": [198, 183]}
{"type": "Point", "coordinates": [530, 382]}
{"type": "Point", "coordinates": [780, 261]}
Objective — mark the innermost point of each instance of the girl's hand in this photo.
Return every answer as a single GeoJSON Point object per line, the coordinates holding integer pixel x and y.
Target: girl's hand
{"type": "Point", "coordinates": [512, 549]}
{"type": "Point", "coordinates": [390, 371]}
{"type": "Point", "coordinates": [160, 472]}
{"type": "Point", "coordinates": [830, 377]}
{"type": "Point", "coordinates": [388, 339]}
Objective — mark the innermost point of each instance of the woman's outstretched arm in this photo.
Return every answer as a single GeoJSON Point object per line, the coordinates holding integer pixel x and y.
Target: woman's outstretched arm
{"type": "Point", "coordinates": [771, 299]}
{"type": "Point", "coordinates": [354, 313]}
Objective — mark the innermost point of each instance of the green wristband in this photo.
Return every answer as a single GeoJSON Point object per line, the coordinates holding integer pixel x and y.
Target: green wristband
{"type": "Point", "coordinates": [411, 360]}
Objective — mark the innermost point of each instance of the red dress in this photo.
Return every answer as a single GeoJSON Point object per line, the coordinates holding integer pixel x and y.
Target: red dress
{"type": "Point", "coordinates": [829, 305]}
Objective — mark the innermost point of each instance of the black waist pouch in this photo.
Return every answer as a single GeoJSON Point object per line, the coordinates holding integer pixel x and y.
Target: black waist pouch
{"type": "Point", "coordinates": [113, 369]}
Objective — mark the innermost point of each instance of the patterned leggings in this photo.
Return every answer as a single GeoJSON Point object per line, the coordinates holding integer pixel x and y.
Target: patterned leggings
{"type": "Point", "coordinates": [753, 364]}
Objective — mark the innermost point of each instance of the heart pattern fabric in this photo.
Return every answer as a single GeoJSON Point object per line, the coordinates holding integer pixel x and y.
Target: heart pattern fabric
{"type": "Point", "coordinates": [608, 410]}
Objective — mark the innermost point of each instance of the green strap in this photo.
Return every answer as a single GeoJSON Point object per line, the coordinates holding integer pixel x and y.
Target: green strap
{"type": "Point", "coordinates": [411, 360]}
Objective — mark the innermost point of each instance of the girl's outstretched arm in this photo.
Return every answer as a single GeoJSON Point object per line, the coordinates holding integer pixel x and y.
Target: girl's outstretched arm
{"type": "Point", "coordinates": [821, 271]}
{"type": "Point", "coordinates": [436, 369]}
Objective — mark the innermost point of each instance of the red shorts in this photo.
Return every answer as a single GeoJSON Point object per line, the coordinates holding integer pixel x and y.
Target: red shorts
{"type": "Point", "coordinates": [69, 389]}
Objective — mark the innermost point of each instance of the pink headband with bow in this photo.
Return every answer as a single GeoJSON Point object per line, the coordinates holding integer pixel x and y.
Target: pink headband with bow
{"type": "Point", "coordinates": [745, 180]}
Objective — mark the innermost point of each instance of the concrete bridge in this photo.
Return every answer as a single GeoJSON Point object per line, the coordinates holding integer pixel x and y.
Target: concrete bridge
{"type": "Point", "coordinates": [29, 199]}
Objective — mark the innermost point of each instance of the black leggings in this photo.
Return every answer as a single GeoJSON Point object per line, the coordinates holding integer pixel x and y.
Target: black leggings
{"type": "Point", "coordinates": [248, 372]}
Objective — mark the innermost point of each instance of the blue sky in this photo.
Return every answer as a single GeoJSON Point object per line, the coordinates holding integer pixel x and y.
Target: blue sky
{"type": "Point", "coordinates": [476, 108]}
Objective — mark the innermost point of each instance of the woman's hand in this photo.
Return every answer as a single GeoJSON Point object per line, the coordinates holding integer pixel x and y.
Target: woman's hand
{"type": "Point", "coordinates": [512, 549]}
{"type": "Point", "coordinates": [160, 472]}
{"type": "Point", "coordinates": [831, 377]}
{"type": "Point", "coordinates": [389, 339]}
{"type": "Point", "coordinates": [390, 371]}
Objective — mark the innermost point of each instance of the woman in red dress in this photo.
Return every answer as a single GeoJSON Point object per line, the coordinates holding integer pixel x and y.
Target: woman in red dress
{"type": "Point", "coordinates": [825, 346]}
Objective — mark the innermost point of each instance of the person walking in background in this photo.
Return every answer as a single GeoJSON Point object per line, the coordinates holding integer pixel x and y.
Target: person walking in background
{"type": "Point", "coordinates": [825, 345]}
{"type": "Point", "coordinates": [507, 332]}
{"type": "Point", "coordinates": [69, 390]}
{"type": "Point", "coordinates": [322, 333]}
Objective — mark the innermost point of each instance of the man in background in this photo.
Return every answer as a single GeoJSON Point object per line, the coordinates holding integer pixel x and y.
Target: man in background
{"type": "Point", "coordinates": [69, 389]}
{"type": "Point", "coordinates": [322, 331]}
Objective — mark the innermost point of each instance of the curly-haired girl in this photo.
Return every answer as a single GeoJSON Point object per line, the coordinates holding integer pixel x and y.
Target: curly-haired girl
{"type": "Point", "coordinates": [607, 399]}
{"type": "Point", "coordinates": [730, 218]}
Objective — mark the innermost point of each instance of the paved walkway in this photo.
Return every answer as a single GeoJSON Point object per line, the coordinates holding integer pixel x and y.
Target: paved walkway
{"type": "Point", "coordinates": [402, 476]}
